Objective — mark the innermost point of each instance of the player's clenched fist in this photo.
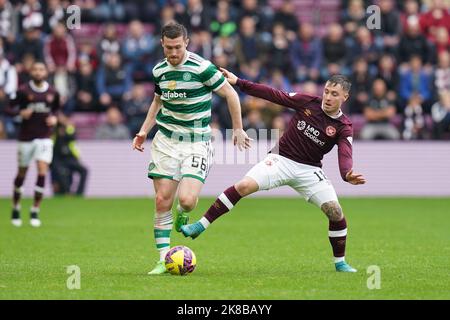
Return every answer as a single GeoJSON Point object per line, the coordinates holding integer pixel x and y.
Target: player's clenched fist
{"type": "Point", "coordinates": [138, 141]}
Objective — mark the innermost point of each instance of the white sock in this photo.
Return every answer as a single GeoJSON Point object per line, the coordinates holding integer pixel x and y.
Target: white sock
{"type": "Point", "coordinates": [162, 228]}
{"type": "Point", "coordinates": [162, 253]}
{"type": "Point", "coordinates": [205, 223]}
{"type": "Point", "coordinates": [17, 207]}
{"type": "Point", "coordinates": [338, 259]}
{"type": "Point", "coordinates": [35, 209]}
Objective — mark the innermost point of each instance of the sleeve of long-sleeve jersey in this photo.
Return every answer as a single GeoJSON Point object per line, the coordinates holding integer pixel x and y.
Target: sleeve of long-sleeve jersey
{"type": "Point", "coordinates": [293, 100]}
{"type": "Point", "coordinates": [345, 152]}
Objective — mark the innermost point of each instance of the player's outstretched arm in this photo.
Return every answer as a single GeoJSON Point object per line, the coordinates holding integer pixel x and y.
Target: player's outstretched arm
{"type": "Point", "coordinates": [149, 122]}
{"type": "Point", "coordinates": [345, 158]}
{"type": "Point", "coordinates": [291, 100]}
{"type": "Point", "coordinates": [240, 137]}
{"type": "Point", "coordinates": [230, 76]}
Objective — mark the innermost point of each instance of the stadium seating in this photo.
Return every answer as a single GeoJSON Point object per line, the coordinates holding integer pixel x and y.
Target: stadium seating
{"type": "Point", "coordinates": [86, 124]}
{"type": "Point", "coordinates": [312, 11]}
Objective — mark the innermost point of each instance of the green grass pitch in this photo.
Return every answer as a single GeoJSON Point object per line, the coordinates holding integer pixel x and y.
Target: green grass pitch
{"type": "Point", "coordinates": [267, 248]}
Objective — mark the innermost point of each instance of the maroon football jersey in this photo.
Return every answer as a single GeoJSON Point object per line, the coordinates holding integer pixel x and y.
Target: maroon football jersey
{"type": "Point", "coordinates": [44, 102]}
{"type": "Point", "coordinates": [311, 133]}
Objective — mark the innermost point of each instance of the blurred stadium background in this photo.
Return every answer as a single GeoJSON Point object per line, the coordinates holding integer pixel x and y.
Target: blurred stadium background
{"type": "Point", "coordinates": [400, 108]}
{"type": "Point", "coordinates": [400, 74]}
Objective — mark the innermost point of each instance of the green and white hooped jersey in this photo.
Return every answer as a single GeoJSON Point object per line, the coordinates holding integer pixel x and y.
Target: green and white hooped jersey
{"type": "Point", "coordinates": [186, 93]}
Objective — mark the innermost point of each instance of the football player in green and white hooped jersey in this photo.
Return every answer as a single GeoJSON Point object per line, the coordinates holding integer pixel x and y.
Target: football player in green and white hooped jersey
{"type": "Point", "coordinates": [181, 150]}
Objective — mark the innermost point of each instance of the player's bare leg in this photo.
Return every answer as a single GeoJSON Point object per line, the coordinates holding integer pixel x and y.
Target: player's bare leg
{"type": "Point", "coordinates": [17, 194]}
{"type": "Point", "coordinates": [42, 168]}
{"type": "Point", "coordinates": [224, 203]}
{"type": "Point", "coordinates": [337, 233]}
{"type": "Point", "coordinates": [165, 190]}
{"type": "Point", "coordinates": [188, 193]}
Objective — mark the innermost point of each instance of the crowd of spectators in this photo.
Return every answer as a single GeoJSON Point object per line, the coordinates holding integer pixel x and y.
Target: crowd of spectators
{"type": "Point", "coordinates": [400, 72]}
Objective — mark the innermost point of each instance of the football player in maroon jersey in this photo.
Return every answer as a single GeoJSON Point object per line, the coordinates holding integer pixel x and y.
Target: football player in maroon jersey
{"type": "Point", "coordinates": [316, 127]}
{"type": "Point", "coordinates": [37, 103]}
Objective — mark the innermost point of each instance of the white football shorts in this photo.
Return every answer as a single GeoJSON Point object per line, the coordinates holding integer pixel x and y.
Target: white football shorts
{"type": "Point", "coordinates": [37, 149]}
{"type": "Point", "coordinates": [309, 181]}
{"type": "Point", "coordinates": [173, 159]}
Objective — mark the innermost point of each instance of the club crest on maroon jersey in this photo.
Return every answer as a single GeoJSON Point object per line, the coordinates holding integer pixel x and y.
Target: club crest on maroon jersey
{"type": "Point", "coordinates": [301, 125]}
{"type": "Point", "coordinates": [50, 98]}
{"type": "Point", "coordinates": [30, 97]}
{"type": "Point", "coordinates": [330, 131]}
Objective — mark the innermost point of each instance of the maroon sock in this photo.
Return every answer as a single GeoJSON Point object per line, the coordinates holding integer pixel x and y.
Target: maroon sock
{"type": "Point", "coordinates": [337, 233]}
{"type": "Point", "coordinates": [224, 203]}
{"type": "Point", "coordinates": [39, 191]}
{"type": "Point", "coordinates": [18, 182]}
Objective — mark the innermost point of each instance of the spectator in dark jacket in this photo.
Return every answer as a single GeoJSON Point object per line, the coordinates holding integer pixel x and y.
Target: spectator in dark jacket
{"type": "Point", "coordinates": [135, 109]}
{"type": "Point", "coordinates": [286, 16]}
{"type": "Point", "coordinates": [361, 85]}
{"type": "Point", "coordinates": [378, 113]}
{"type": "Point", "coordinates": [252, 9]}
{"type": "Point", "coordinates": [388, 34]}
{"type": "Point", "coordinates": [31, 44]}
{"type": "Point", "coordinates": [353, 17]}
{"type": "Point", "coordinates": [387, 70]}
{"type": "Point", "coordinates": [442, 72]}
{"type": "Point", "coordinates": [137, 50]}
{"type": "Point", "coordinates": [334, 52]}
{"type": "Point", "coordinates": [113, 81]}
{"type": "Point", "coordinates": [440, 112]}
{"type": "Point", "coordinates": [413, 42]}
{"type": "Point", "coordinates": [279, 53]}
{"type": "Point", "coordinates": [249, 45]}
{"type": "Point", "coordinates": [54, 13]}
{"type": "Point", "coordinates": [196, 15]}
{"type": "Point", "coordinates": [306, 54]}
{"type": "Point", "coordinates": [363, 46]}
{"type": "Point", "coordinates": [86, 97]}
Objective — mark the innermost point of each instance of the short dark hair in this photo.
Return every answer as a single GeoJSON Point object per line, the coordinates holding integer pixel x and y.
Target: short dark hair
{"type": "Point", "coordinates": [342, 80]}
{"type": "Point", "coordinates": [173, 30]}
{"type": "Point", "coordinates": [39, 62]}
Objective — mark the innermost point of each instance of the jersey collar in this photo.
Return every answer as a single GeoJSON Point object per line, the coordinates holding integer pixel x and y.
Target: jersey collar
{"type": "Point", "coordinates": [39, 90]}
{"type": "Point", "coordinates": [340, 113]}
